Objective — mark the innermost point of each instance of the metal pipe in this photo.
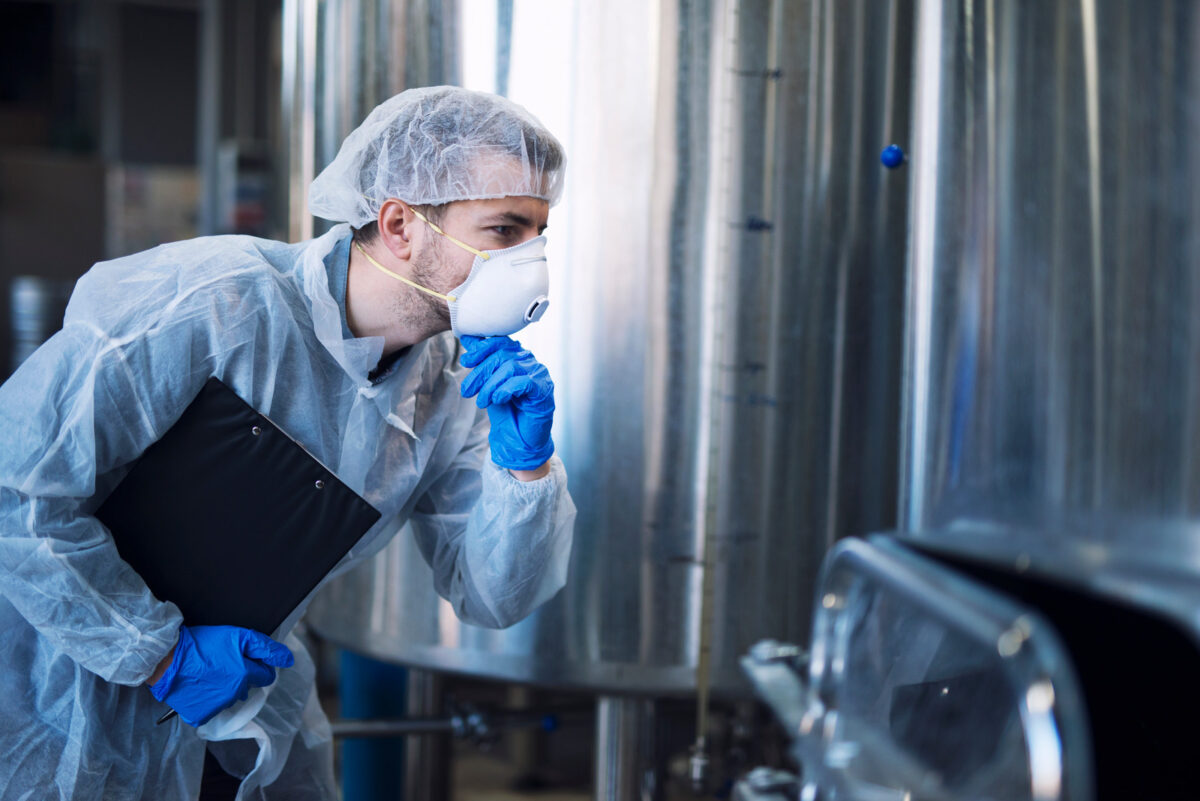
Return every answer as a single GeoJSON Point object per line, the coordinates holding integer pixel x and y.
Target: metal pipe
{"type": "Point", "coordinates": [427, 759]}
{"type": "Point", "coordinates": [208, 121]}
{"type": "Point", "coordinates": [299, 98]}
{"type": "Point", "coordinates": [474, 725]}
{"type": "Point", "coordinates": [394, 727]}
{"type": "Point", "coordinates": [620, 724]}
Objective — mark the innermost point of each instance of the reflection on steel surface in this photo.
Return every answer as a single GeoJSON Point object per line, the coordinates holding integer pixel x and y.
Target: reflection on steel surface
{"type": "Point", "coordinates": [1054, 342]}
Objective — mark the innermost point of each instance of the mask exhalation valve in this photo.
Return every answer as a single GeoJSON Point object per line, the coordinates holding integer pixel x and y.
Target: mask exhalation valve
{"type": "Point", "coordinates": [536, 309]}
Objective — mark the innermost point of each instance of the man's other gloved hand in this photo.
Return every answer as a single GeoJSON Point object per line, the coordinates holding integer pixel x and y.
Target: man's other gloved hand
{"type": "Point", "coordinates": [214, 666]}
{"type": "Point", "coordinates": [517, 391]}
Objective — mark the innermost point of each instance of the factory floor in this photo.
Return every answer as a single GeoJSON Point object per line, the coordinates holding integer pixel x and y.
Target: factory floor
{"type": "Point", "coordinates": [492, 777]}
{"type": "Point", "coordinates": [495, 775]}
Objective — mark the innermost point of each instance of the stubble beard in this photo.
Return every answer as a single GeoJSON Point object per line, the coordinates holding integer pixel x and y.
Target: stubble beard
{"type": "Point", "coordinates": [425, 310]}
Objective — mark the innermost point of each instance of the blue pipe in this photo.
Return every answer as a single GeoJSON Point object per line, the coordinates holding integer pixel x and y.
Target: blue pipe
{"type": "Point", "coordinates": [372, 769]}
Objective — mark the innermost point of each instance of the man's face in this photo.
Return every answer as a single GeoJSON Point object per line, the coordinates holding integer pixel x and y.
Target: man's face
{"type": "Point", "coordinates": [483, 224]}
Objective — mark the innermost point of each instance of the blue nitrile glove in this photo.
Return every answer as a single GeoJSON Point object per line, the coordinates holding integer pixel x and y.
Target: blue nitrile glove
{"type": "Point", "coordinates": [215, 666]}
{"type": "Point", "coordinates": [517, 391]}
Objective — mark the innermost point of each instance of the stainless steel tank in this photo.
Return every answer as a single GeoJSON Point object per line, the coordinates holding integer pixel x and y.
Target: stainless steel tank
{"type": "Point", "coordinates": [1052, 395]}
{"type": "Point", "coordinates": [1054, 343]}
{"type": "Point", "coordinates": [341, 58]}
{"type": "Point", "coordinates": [1050, 497]}
{"type": "Point", "coordinates": [728, 317]}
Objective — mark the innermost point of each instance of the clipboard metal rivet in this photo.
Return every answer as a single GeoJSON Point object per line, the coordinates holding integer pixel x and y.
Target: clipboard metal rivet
{"type": "Point", "coordinates": [320, 484]}
{"type": "Point", "coordinates": [256, 431]}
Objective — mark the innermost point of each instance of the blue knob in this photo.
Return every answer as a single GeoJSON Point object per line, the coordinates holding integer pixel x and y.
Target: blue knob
{"type": "Point", "coordinates": [549, 723]}
{"type": "Point", "coordinates": [892, 156]}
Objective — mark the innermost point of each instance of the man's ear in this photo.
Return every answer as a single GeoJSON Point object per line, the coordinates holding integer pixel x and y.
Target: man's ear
{"type": "Point", "coordinates": [396, 224]}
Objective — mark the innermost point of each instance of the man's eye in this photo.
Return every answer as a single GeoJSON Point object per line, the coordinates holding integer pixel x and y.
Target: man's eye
{"type": "Point", "coordinates": [504, 231]}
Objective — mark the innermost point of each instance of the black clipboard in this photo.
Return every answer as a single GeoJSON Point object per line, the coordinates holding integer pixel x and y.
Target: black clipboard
{"type": "Point", "coordinates": [229, 518]}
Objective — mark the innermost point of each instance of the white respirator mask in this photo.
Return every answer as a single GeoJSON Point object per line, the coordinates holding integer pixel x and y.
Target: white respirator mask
{"type": "Point", "coordinates": [504, 292]}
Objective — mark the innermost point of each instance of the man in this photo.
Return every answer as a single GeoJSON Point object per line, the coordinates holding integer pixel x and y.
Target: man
{"type": "Point", "coordinates": [348, 342]}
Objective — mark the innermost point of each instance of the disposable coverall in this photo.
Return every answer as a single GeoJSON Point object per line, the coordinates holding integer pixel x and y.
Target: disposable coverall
{"type": "Point", "coordinates": [79, 631]}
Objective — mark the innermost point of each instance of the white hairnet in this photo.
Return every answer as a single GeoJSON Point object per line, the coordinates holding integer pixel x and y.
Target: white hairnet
{"type": "Point", "coordinates": [435, 145]}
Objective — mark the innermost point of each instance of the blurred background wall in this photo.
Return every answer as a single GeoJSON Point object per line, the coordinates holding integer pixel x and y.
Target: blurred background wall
{"type": "Point", "coordinates": [125, 124]}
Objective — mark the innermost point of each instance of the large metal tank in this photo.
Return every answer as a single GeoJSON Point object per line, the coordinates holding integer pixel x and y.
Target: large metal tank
{"type": "Point", "coordinates": [1050, 497]}
{"type": "Point", "coordinates": [1052, 401]}
{"type": "Point", "coordinates": [1054, 346]}
{"type": "Point", "coordinates": [341, 58]}
{"type": "Point", "coordinates": [728, 331]}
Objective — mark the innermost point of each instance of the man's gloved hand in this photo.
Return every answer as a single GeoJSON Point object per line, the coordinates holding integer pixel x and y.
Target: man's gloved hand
{"type": "Point", "coordinates": [517, 391]}
{"type": "Point", "coordinates": [214, 666]}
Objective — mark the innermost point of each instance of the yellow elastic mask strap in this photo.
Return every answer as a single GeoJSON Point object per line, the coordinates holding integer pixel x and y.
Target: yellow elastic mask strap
{"type": "Point", "coordinates": [398, 277]}
{"type": "Point", "coordinates": [481, 254]}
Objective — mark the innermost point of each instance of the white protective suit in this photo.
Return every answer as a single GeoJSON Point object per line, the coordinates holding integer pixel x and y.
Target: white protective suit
{"type": "Point", "coordinates": [79, 631]}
